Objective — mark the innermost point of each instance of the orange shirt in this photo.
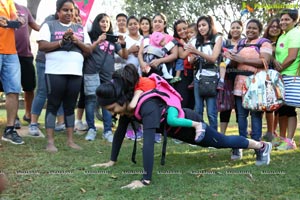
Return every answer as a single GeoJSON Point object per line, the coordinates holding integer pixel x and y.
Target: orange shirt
{"type": "Point", "coordinates": [145, 84]}
{"type": "Point", "coordinates": [7, 35]}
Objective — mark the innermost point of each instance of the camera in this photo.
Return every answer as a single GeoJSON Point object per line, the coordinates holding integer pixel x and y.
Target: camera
{"type": "Point", "coordinates": [112, 38]}
{"type": "Point", "coordinates": [13, 24]}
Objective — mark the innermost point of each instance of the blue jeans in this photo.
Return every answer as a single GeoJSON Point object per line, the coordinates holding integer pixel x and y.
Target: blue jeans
{"type": "Point", "coordinates": [41, 92]}
{"type": "Point", "coordinates": [107, 120]}
{"type": "Point", "coordinates": [90, 105]}
{"type": "Point", "coordinates": [256, 120]}
{"type": "Point", "coordinates": [211, 106]}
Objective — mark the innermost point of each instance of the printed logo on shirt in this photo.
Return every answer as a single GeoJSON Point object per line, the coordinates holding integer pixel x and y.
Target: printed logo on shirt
{"type": "Point", "coordinates": [104, 45]}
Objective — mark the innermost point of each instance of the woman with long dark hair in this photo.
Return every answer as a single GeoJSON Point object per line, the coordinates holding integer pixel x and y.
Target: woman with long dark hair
{"type": "Point", "coordinates": [98, 68]}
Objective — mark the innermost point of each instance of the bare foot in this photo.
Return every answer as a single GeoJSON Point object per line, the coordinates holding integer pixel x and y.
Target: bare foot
{"type": "Point", "coordinates": [200, 133]}
{"type": "Point", "coordinates": [74, 146]}
{"type": "Point", "coordinates": [51, 148]}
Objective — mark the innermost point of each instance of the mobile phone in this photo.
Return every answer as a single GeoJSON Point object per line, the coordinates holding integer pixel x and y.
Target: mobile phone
{"type": "Point", "coordinates": [112, 38]}
{"type": "Point", "coordinates": [13, 24]}
{"type": "Point", "coordinates": [225, 49]}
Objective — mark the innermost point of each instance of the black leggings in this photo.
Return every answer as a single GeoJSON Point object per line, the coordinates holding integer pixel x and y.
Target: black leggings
{"type": "Point", "coordinates": [61, 89]}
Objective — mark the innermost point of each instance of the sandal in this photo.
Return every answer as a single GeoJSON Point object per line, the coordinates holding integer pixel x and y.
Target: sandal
{"type": "Point", "coordinates": [175, 79]}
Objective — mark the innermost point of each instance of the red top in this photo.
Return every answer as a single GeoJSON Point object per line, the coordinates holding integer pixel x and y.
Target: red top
{"type": "Point", "coordinates": [145, 84]}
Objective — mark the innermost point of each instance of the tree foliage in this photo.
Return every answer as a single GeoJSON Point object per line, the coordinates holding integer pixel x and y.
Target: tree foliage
{"type": "Point", "coordinates": [224, 11]}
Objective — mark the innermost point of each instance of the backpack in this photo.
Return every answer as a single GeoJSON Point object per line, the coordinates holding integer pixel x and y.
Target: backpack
{"type": "Point", "coordinates": [242, 43]}
{"type": "Point", "coordinates": [212, 43]}
{"type": "Point", "coordinates": [164, 91]}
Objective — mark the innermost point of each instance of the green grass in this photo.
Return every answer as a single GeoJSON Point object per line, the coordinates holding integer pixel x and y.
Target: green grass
{"type": "Point", "coordinates": [189, 172]}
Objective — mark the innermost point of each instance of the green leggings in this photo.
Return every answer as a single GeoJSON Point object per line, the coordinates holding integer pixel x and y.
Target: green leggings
{"type": "Point", "coordinates": [173, 120]}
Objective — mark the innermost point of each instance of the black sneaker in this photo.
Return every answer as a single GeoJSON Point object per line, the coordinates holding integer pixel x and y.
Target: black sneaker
{"type": "Point", "coordinates": [11, 135]}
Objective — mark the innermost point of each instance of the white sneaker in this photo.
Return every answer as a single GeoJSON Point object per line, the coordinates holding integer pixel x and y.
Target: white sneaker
{"type": "Point", "coordinates": [91, 135]}
{"type": "Point", "coordinates": [79, 126]}
{"type": "Point", "coordinates": [108, 135]}
{"type": "Point", "coordinates": [60, 127]}
{"type": "Point", "coordinates": [34, 130]}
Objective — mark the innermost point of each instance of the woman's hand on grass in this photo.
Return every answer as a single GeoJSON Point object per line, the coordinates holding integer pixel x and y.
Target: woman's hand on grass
{"type": "Point", "coordinates": [107, 164]}
{"type": "Point", "coordinates": [134, 185]}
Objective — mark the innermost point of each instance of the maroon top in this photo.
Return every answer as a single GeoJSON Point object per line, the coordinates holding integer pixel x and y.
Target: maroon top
{"type": "Point", "coordinates": [22, 33]}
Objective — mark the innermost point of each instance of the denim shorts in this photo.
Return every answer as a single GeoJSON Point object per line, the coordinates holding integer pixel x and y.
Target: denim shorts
{"type": "Point", "coordinates": [10, 73]}
{"type": "Point", "coordinates": [91, 82]}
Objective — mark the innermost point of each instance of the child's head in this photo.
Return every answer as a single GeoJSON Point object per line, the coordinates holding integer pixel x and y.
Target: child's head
{"type": "Point", "coordinates": [192, 30]}
{"type": "Point", "coordinates": [157, 39]}
{"type": "Point", "coordinates": [77, 18]}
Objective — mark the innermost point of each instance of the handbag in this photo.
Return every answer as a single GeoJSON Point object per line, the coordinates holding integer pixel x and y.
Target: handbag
{"type": "Point", "coordinates": [208, 83]}
{"type": "Point", "coordinates": [263, 91]}
{"type": "Point", "coordinates": [225, 98]}
{"type": "Point", "coordinates": [292, 90]}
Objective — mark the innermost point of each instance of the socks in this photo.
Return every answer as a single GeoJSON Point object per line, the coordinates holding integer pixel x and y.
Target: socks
{"type": "Point", "coordinates": [9, 128]}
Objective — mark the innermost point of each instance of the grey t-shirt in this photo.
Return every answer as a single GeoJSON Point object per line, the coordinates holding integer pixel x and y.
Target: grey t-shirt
{"type": "Point", "coordinates": [100, 63]}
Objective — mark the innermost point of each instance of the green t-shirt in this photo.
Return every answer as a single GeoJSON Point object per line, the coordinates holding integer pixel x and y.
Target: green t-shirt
{"type": "Point", "coordinates": [288, 40]}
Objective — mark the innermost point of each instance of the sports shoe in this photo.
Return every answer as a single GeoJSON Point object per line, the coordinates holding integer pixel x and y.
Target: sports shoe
{"type": "Point", "coordinates": [17, 123]}
{"type": "Point", "coordinates": [263, 155]}
{"type": "Point", "coordinates": [60, 127]}
{"type": "Point", "coordinates": [277, 141]}
{"type": "Point", "coordinates": [220, 85]}
{"type": "Point", "coordinates": [236, 154]}
{"type": "Point", "coordinates": [34, 130]}
{"type": "Point", "coordinates": [79, 126]}
{"type": "Point", "coordinates": [91, 135]}
{"type": "Point", "coordinates": [108, 135]}
{"type": "Point", "coordinates": [130, 134]}
{"type": "Point", "coordinates": [268, 136]}
{"type": "Point", "coordinates": [139, 134]}
{"type": "Point", "coordinates": [287, 145]}
{"type": "Point", "coordinates": [157, 138]}
{"type": "Point", "coordinates": [11, 135]}
{"type": "Point", "coordinates": [26, 119]}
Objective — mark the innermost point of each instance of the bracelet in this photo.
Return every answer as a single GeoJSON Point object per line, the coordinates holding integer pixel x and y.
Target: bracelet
{"type": "Point", "coordinates": [145, 182]}
{"type": "Point", "coordinates": [123, 46]}
{"type": "Point", "coordinates": [59, 43]}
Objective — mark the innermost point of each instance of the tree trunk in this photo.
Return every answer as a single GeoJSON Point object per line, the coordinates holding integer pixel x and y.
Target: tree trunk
{"type": "Point", "coordinates": [32, 5]}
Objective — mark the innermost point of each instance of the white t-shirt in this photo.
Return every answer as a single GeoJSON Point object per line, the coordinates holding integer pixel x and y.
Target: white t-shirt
{"type": "Point", "coordinates": [207, 50]}
{"type": "Point", "coordinates": [62, 62]}
{"type": "Point", "coordinates": [132, 58]}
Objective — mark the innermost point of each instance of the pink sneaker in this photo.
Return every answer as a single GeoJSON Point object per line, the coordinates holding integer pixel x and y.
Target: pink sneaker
{"type": "Point", "coordinates": [130, 134]}
{"type": "Point", "coordinates": [287, 145]}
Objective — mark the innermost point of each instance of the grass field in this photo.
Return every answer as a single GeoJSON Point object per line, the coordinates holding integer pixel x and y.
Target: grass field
{"type": "Point", "coordinates": [189, 172]}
